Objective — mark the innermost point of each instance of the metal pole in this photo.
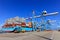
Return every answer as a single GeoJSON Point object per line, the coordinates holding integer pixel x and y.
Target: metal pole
{"type": "Point", "coordinates": [42, 21]}
{"type": "Point", "coordinates": [34, 24]}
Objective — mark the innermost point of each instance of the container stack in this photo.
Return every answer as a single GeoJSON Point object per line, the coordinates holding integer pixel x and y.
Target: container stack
{"type": "Point", "coordinates": [23, 24]}
{"type": "Point", "coordinates": [16, 21]}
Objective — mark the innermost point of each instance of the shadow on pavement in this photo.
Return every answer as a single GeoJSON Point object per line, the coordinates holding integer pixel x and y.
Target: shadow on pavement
{"type": "Point", "coordinates": [44, 37]}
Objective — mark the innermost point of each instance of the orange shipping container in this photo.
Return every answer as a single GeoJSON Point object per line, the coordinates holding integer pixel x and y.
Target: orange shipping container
{"type": "Point", "coordinates": [30, 24]}
{"type": "Point", "coordinates": [17, 24]}
{"type": "Point", "coordinates": [13, 24]}
{"type": "Point", "coordinates": [23, 24]}
{"type": "Point", "coordinates": [9, 25]}
{"type": "Point", "coordinates": [6, 25]}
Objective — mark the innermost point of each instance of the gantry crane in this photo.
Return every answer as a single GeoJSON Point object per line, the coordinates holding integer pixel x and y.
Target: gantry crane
{"type": "Point", "coordinates": [42, 16]}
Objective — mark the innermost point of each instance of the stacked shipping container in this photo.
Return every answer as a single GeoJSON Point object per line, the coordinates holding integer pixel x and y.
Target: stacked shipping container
{"type": "Point", "coordinates": [16, 21]}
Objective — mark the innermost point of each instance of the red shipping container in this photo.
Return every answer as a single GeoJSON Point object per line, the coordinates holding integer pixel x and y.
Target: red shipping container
{"type": "Point", "coordinates": [23, 24]}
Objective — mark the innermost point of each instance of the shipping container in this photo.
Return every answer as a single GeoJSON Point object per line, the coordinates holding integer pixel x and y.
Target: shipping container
{"type": "Point", "coordinates": [30, 24]}
{"type": "Point", "coordinates": [23, 24]}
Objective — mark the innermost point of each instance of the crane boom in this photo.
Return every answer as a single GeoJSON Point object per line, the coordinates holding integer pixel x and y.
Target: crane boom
{"type": "Point", "coordinates": [49, 14]}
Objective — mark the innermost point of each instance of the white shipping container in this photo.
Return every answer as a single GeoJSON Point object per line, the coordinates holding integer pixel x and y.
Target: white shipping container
{"type": "Point", "coordinates": [15, 20]}
{"type": "Point", "coordinates": [27, 24]}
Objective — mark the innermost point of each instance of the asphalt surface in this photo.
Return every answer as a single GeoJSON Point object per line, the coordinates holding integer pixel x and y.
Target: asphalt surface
{"type": "Point", "coordinates": [51, 35]}
{"type": "Point", "coordinates": [56, 35]}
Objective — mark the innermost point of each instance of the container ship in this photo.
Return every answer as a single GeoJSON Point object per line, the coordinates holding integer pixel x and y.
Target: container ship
{"type": "Point", "coordinates": [17, 24]}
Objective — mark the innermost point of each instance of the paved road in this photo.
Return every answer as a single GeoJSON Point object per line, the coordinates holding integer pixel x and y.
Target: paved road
{"type": "Point", "coordinates": [26, 36]}
{"type": "Point", "coordinates": [56, 35]}
{"type": "Point", "coordinates": [52, 35]}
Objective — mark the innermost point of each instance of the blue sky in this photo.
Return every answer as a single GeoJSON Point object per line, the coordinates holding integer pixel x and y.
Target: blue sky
{"type": "Point", "coordinates": [23, 8]}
